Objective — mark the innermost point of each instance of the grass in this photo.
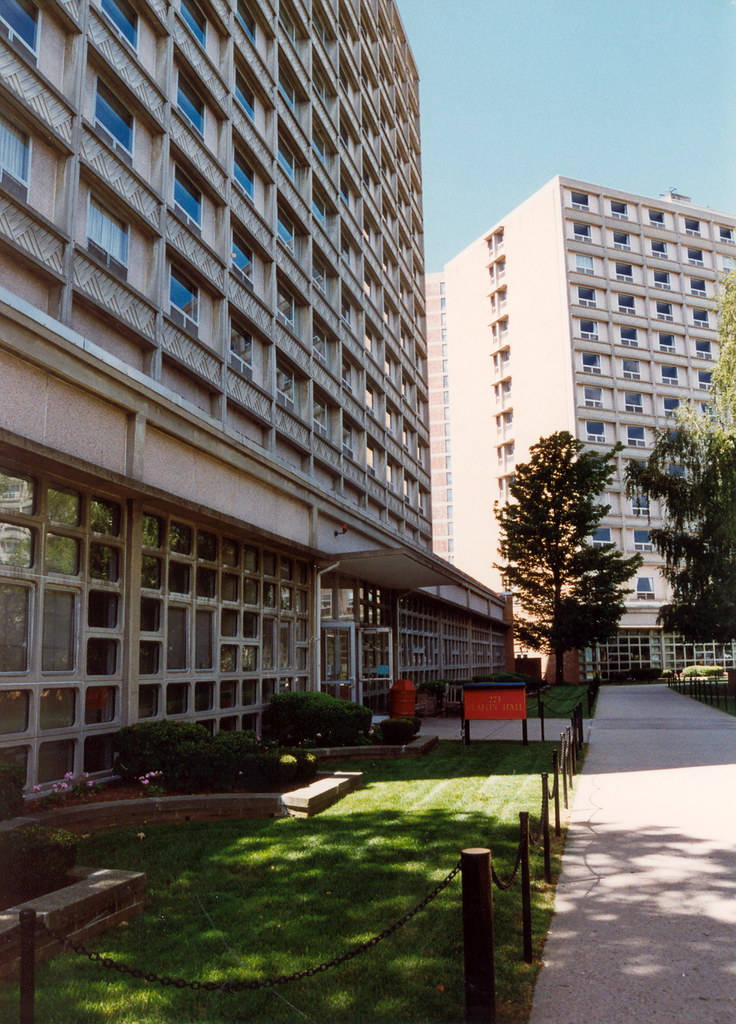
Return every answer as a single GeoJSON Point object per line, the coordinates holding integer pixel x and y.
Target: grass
{"type": "Point", "coordinates": [244, 899]}
{"type": "Point", "coordinates": [559, 702]}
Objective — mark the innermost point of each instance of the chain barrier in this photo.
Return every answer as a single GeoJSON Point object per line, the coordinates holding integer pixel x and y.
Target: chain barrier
{"type": "Point", "coordinates": [240, 986]}
{"type": "Point", "coordinates": [499, 882]}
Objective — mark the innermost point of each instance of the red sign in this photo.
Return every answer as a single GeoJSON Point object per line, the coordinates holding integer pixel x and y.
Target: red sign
{"type": "Point", "coordinates": [489, 704]}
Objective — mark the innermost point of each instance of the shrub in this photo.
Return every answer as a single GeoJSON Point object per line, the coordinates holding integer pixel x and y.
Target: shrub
{"type": "Point", "coordinates": [12, 779]}
{"type": "Point", "coordinates": [234, 760]}
{"type": "Point", "coordinates": [435, 687]}
{"type": "Point", "coordinates": [157, 747]}
{"type": "Point", "coordinates": [292, 718]}
{"type": "Point", "coordinates": [397, 730]}
{"type": "Point", "coordinates": [706, 671]}
{"type": "Point", "coordinates": [645, 675]}
{"type": "Point", "coordinates": [34, 860]}
{"type": "Point", "coordinates": [279, 768]}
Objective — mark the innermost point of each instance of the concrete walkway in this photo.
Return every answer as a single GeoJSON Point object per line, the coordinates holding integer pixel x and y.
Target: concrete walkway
{"type": "Point", "coordinates": [645, 923]}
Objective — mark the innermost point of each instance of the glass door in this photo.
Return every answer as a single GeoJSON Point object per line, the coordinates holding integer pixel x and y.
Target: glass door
{"type": "Point", "coordinates": [338, 661]}
{"type": "Point", "coordinates": [376, 668]}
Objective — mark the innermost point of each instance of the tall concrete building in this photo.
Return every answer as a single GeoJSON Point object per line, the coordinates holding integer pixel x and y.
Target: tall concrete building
{"type": "Point", "coordinates": [586, 309]}
{"type": "Point", "coordinates": [214, 442]}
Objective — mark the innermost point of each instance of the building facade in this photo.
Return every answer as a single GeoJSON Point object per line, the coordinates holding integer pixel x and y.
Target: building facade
{"type": "Point", "coordinates": [586, 309]}
{"type": "Point", "coordinates": [214, 442]}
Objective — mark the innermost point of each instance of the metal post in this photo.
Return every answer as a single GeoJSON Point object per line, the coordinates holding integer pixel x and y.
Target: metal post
{"type": "Point", "coordinates": [27, 964]}
{"type": "Point", "coordinates": [563, 766]}
{"type": "Point", "coordinates": [541, 718]}
{"type": "Point", "coordinates": [466, 732]}
{"type": "Point", "coordinates": [572, 736]}
{"type": "Point", "coordinates": [524, 733]}
{"type": "Point", "coordinates": [581, 733]}
{"type": "Point", "coordinates": [556, 773]}
{"type": "Point", "coordinates": [526, 887]}
{"type": "Point", "coordinates": [480, 982]}
{"type": "Point", "coordinates": [545, 829]}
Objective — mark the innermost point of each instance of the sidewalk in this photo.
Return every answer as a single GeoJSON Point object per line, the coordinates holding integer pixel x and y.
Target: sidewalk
{"type": "Point", "coordinates": [645, 923]}
{"type": "Point", "coordinates": [450, 728]}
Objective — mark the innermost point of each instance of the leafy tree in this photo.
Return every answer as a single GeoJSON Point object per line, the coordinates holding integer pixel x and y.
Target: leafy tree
{"type": "Point", "coordinates": [570, 593]}
{"type": "Point", "coordinates": [692, 473]}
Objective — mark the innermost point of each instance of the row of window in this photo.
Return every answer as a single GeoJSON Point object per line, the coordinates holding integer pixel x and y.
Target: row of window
{"type": "Point", "coordinates": [597, 432]}
{"type": "Point", "coordinates": [635, 369]}
{"type": "Point", "coordinates": [669, 312]}
{"type": "Point", "coordinates": [697, 286]}
{"type": "Point", "coordinates": [629, 401]}
{"type": "Point", "coordinates": [656, 218]}
{"type": "Point", "coordinates": [632, 337]}
{"type": "Point", "coordinates": [596, 265]}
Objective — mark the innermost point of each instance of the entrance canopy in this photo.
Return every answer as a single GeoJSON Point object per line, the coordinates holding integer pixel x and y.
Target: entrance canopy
{"type": "Point", "coordinates": [395, 568]}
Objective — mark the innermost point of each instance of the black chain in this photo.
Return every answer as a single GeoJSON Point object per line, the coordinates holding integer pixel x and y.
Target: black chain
{"type": "Point", "coordinates": [239, 986]}
{"type": "Point", "coordinates": [499, 882]}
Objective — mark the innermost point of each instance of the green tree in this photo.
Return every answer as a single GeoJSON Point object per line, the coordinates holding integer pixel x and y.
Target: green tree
{"type": "Point", "coordinates": [569, 593]}
{"type": "Point", "coordinates": [692, 473]}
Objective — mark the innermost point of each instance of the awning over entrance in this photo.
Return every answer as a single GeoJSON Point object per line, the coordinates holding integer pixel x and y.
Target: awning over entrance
{"type": "Point", "coordinates": [396, 568]}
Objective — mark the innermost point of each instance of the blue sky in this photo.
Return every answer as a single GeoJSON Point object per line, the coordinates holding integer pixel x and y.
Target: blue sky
{"type": "Point", "coordinates": [633, 94]}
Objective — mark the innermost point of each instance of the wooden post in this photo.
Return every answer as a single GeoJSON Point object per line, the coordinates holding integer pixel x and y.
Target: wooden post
{"type": "Point", "coordinates": [524, 733]}
{"type": "Point", "coordinates": [526, 886]}
{"type": "Point", "coordinates": [556, 773]}
{"type": "Point", "coordinates": [27, 920]}
{"type": "Point", "coordinates": [480, 983]}
{"type": "Point", "coordinates": [545, 829]}
{"type": "Point", "coordinates": [563, 766]}
{"type": "Point", "coordinates": [541, 717]}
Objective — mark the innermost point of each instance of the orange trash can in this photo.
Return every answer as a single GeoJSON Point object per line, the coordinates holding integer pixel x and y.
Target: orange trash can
{"type": "Point", "coordinates": [403, 699]}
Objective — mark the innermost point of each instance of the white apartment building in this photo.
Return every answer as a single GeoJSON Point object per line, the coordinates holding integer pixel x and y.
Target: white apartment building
{"type": "Point", "coordinates": [585, 309]}
{"type": "Point", "coordinates": [214, 440]}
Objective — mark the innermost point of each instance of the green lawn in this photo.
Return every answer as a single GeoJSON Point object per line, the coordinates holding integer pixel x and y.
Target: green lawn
{"type": "Point", "coordinates": [246, 899]}
{"type": "Point", "coordinates": [559, 702]}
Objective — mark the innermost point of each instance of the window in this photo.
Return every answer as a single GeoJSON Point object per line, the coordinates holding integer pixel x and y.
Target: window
{"type": "Point", "coordinates": [627, 304]}
{"type": "Point", "coordinates": [285, 386]}
{"type": "Point", "coordinates": [195, 20]}
{"type": "Point", "coordinates": [670, 406]}
{"type": "Point", "coordinates": [319, 208]}
{"type": "Point", "coordinates": [662, 279]}
{"type": "Point", "coordinates": [601, 535]}
{"type": "Point", "coordinates": [664, 311]}
{"type": "Point", "coordinates": [243, 174]}
{"type": "Point", "coordinates": [703, 349]}
{"type": "Point", "coordinates": [695, 256]}
{"type": "Point", "coordinates": [245, 96]}
{"type": "Point", "coordinates": [591, 362]}
{"type": "Point", "coordinates": [246, 19]}
{"type": "Point", "coordinates": [241, 351]}
{"type": "Point", "coordinates": [645, 588]}
{"type": "Point", "coordinates": [319, 276]}
{"type": "Point", "coordinates": [700, 318]}
{"type": "Point", "coordinates": [635, 437]}
{"type": "Point", "coordinates": [633, 402]}
{"type": "Point", "coordinates": [21, 17]}
{"type": "Point", "coordinates": [579, 200]}
{"type": "Point", "coordinates": [666, 343]}
{"type": "Point", "coordinates": [584, 264]}
{"type": "Point", "coordinates": [726, 235]}
{"type": "Point", "coordinates": [670, 375]}
{"type": "Point", "coordinates": [183, 295]}
{"type": "Point", "coordinates": [320, 420]}
{"type": "Point", "coordinates": [589, 329]}
{"type": "Point", "coordinates": [14, 148]}
{"type": "Point", "coordinates": [586, 296]}
{"type": "Point", "coordinates": [659, 249]}
{"type": "Point", "coordinates": [594, 398]}
{"type": "Point", "coordinates": [631, 369]}
{"type": "Point", "coordinates": [697, 286]}
{"type": "Point", "coordinates": [621, 240]}
{"type": "Point", "coordinates": [347, 375]}
{"type": "Point", "coordinates": [643, 541]}
{"type": "Point", "coordinates": [640, 505]}
{"type": "Point", "coordinates": [582, 232]}
{"type": "Point", "coordinates": [285, 231]}
{"type": "Point", "coordinates": [692, 227]}
{"type": "Point", "coordinates": [319, 345]}
{"type": "Point", "coordinates": [287, 89]}
{"type": "Point", "coordinates": [242, 258]}
{"type": "Point", "coordinates": [107, 232]}
{"type": "Point", "coordinates": [285, 306]}
{"type": "Point", "coordinates": [187, 197]}
{"type": "Point", "coordinates": [729, 264]}
{"type": "Point", "coordinates": [287, 159]}
{"type": "Point", "coordinates": [624, 272]}
{"type": "Point", "coordinates": [596, 432]}
{"type": "Point", "coordinates": [619, 209]}
{"type": "Point", "coordinates": [112, 116]}
{"type": "Point", "coordinates": [190, 104]}
{"type": "Point", "coordinates": [705, 380]}
{"type": "Point", "coordinates": [629, 336]}
{"type": "Point", "coordinates": [656, 217]}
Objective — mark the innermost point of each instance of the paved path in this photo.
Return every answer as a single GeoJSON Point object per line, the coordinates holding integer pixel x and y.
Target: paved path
{"type": "Point", "coordinates": [645, 923]}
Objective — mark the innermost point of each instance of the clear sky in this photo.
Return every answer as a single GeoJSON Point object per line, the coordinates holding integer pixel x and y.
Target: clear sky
{"type": "Point", "coordinates": [631, 94]}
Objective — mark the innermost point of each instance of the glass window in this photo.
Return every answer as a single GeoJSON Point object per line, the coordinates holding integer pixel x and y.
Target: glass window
{"type": "Point", "coordinates": [596, 432]}
{"type": "Point", "coordinates": [180, 538]}
{"type": "Point", "coordinates": [580, 200]}
{"type": "Point", "coordinates": [151, 572]}
{"type": "Point", "coordinates": [177, 639]}
{"type": "Point", "coordinates": [16, 545]}
{"type": "Point", "coordinates": [285, 385]}
{"type": "Point", "coordinates": [670, 406]}
{"type": "Point", "coordinates": [659, 249]}
{"type": "Point", "coordinates": [177, 698]}
{"type": "Point", "coordinates": [241, 345]}
{"type": "Point", "coordinates": [187, 196]}
{"type": "Point", "coordinates": [656, 217]}
{"type": "Point", "coordinates": [629, 336]}
{"type": "Point", "coordinates": [104, 562]}
{"type": "Point", "coordinates": [149, 657]}
{"type": "Point", "coordinates": [285, 230]}
{"type": "Point", "coordinates": [195, 19]}
{"type": "Point", "coordinates": [14, 707]}
{"type": "Point", "coordinates": [635, 437]}
{"type": "Point", "coordinates": [586, 296]}
{"type": "Point", "coordinates": [621, 240]}
{"type": "Point", "coordinates": [633, 401]}
{"type": "Point", "coordinates": [287, 159]}
{"type": "Point", "coordinates": [695, 256]}
{"type": "Point", "coordinates": [700, 317]}
{"type": "Point", "coordinates": [55, 760]}
{"type": "Point", "coordinates": [246, 19]}
{"type": "Point", "coordinates": [705, 380]}
{"type": "Point", "coordinates": [245, 95]}
{"type": "Point", "coordinates": [661, 279]}
{"type": "Point", "coordinates": [242, 257]}
{"type": "Point", "coordinates": [588, 329]}
{"type": "Point", "coordinates": [21, 17]}
{"type": "Point", "coordinates": [591, 362]}
{"type": "Point", "coordinates": [583, 264]}
{"type": "Point", "coordinates": [62, 554]}
{"type": "Point", "coordinates": [102, 609]}
{"type": "Point", "coordinates": [104, 517]}
{"type": "Point", "coordinates": [183, 294]}
{"type": "Point", "coordinates": [285, 306]}
{"type": "Point", "coordinates": [669, 375]}
{"type": "Point", "coordinates": [179, 577]}
{"type": "Point", "coordinates": [667, 342]}
{"type": "Point", "coordinates": [664, 310]}
{"type": "Point", "coordinates": [631, 369]}
{"type": "Point", "coordinates": [101, 656]}
{"type": "Point", "coordinates": [582, 231]}
{"type": "Point", "coordinates": [14, 624]}
{"type": "Point", "coordinates": [594, 398]}
{"type": "Point", "coordinates": [619, 209]}
{"type": "Point", "coordinates": [601, 535]}
{"type": "Point", "coordinates": [204, 639]}
{"type": "Point", "coordinates": [124, 18]}
{"type": "Point", "coordinates": [112, 115]}
{"type": "Point", "coordinates": [703, 349]}
{"type": "Point", "coordinates": [243, 174]}
{"type": "Point", "coordinates": [645, 588]}
{"type": "Point", "coordinates": [148, 701]}
{"type": "Point", "coordinates": [16, 493]}
{"type": "Point", "coordinates": [642, 540]}
{"type": "Point", "coordinates": [13, 151]}
{"type": "Point", "coordinates": [57, 707]}
{"type": "Point", "coordinates": [190, 104]}
{"type": "Point", "coordinates": [58, 631]}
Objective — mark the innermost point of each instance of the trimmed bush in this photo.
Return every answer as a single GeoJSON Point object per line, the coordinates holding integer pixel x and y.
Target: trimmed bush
{"type": "Point", "coordinates": [279, 768]}
{"type": "Point", "coordinates": [158, 747]}
{"type": "Point", "coordinates": [705, 671]}
{"type": "Point", "coordinates": [34, 860]}
{"type": "Point", "coordinates": [434, 687]}
{"type": "Point", "coordinates": [12, 779]}
{"type": "Point", "coordinates": [397, 730]}
{"type": "Point", "coordinates": [292, 718]}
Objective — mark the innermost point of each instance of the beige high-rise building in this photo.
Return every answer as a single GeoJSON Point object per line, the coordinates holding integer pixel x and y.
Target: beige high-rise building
{"type": "Point", "coordinates": [214, 441]}
{"type": "Point", "coordinates": [585, 309]}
